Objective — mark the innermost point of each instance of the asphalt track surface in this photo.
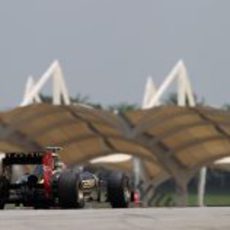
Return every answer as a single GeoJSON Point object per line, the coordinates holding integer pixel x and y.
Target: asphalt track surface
{"type": "Point", "coordinates": [108, 219]}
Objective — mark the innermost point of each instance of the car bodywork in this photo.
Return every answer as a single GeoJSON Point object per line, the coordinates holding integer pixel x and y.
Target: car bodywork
{"type": "Point", "coordinates": [51, 184]}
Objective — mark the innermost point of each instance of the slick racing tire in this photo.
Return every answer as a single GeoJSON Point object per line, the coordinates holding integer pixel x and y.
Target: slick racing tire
{"type": "Point", "coordinates": [118, 190]}
{"type": "Point", "coordinates": [69, 193]}
{"type": "Point", "coordinates": [4, 191]}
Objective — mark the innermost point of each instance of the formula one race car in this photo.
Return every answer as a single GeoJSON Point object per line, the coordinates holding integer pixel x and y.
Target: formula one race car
{"type": "Point", "coordinates": [51, 185]}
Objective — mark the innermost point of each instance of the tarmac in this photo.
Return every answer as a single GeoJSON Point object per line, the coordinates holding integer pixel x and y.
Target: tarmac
{"type": "Point", "coordinates": [119, 219]}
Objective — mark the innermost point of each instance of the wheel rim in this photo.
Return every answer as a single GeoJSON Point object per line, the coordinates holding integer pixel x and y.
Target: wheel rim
{"type": "Point", "coordinates": [80, 196]}
{"type": "Point", "coordinates": [127, 193]}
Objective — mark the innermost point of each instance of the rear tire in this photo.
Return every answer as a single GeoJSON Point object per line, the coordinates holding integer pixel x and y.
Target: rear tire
{"type": "Point", "coordinates": [118, 190]}
{"type": "Point", "coordinates": [69, 192]}
{"type": "Point", "coordinates": [4, 191]}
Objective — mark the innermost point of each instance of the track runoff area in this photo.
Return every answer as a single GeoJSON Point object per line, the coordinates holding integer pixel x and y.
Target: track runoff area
{"type": "Point", "coordinates": [117, 219]}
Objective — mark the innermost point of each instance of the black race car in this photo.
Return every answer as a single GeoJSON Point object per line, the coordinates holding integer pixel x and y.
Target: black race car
{"type": "Point", "coordinates": [52, 185]}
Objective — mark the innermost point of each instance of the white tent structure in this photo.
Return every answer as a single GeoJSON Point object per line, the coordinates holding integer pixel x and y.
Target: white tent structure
{"type": "Point", "coordinates": [184, 91]}
{"type": "Point", "coordinates": [153, 98]}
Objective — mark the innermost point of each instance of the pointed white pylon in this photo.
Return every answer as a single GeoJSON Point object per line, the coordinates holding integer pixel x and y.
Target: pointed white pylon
{"type": "Point", "coordinates": [29, 86]}
{"type": "Point", "coordinates": [150, 91]}
{"type": "Point", "coordinates": [60, 89]}
{"type": "Point", "coordinates": [179, 72]}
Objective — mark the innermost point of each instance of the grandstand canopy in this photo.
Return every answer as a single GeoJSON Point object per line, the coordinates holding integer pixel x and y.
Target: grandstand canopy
{"type": "Point", "coordinates": [169, 139]}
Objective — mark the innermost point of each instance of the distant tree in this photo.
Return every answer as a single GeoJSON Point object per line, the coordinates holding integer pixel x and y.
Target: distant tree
{"type": "Point", "coordinates": [172, 100]}
{"type": "Point", "coordinates": [123, 107]}
{"type": "Point", "coordinates": [82, 99]}
{"type": "Point", "coordinates": [226, 107]}
{"type": "Point", "coordinates": [46, 98]}
{"type": "Point", "coordinates": [79, 99]}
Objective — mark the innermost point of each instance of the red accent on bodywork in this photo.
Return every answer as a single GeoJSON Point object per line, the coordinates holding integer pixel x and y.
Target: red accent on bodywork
{"type": "Point", "coordinates": [136, 199]}
{"type": "Point", "coordinates": [48, 165]}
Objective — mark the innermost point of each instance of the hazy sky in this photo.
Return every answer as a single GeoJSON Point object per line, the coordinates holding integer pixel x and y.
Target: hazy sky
{"type": "Point", "coordinates": [108, 47]}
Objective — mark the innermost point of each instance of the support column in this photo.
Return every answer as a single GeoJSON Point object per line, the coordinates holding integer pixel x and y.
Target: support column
{"type": "Point", "coordinates": [201, 186]}
{"type": "Point", "coordinates": [181, 187]}
{"type": "Point", "coordinates": [136, 171]}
